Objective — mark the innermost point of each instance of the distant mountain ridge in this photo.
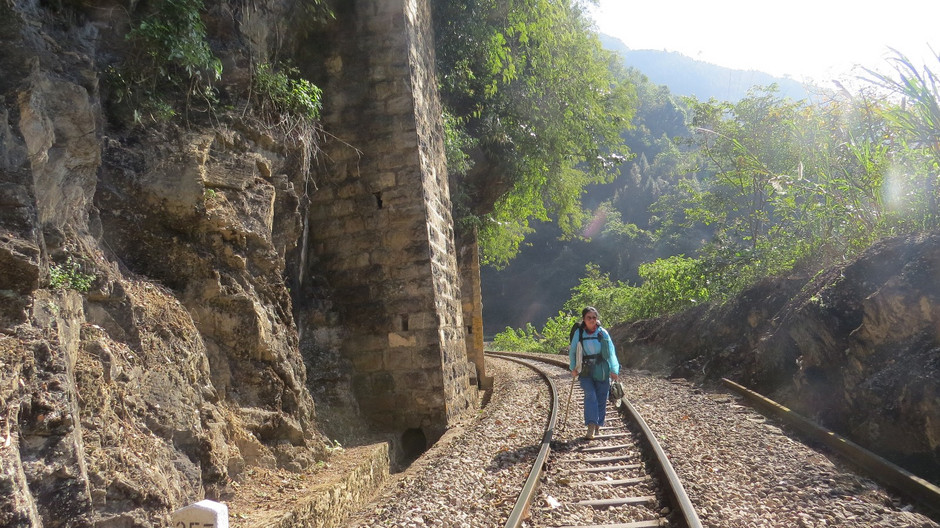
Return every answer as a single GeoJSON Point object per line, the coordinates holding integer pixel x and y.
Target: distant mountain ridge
{"type": "Point", "coordinates": [684, 75]}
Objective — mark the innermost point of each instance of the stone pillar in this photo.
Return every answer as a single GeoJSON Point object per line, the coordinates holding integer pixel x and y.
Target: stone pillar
{"type": "Point", "coordinates": [469, 264]}
{"type": "Point", "coordinates": [381, 239]}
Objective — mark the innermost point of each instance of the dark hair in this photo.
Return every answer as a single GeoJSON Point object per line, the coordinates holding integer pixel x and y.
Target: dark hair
{"type": "Point", "coordinates": [589, 309]}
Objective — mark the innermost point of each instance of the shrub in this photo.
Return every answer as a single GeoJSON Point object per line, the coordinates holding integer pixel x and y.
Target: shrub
{"type": "Point", "coordinates": [284, 92]}
{"type": "Point", "coordinates": [522, 340]}
{"type": "Point", "coordinates": [69, 276]}
{"type": "Point", "coordinates": [172, 56]}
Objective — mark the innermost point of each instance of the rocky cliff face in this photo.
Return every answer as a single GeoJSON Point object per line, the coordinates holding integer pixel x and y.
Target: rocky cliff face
{"type": "Point", "coordinates": [148, 353]}
{"type": "Point", "coordinates": [856, 348]}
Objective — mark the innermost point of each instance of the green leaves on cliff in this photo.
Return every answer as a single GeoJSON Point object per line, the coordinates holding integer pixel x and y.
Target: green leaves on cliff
{"type": "Point", "coordinates": [69, 275]}
{"type": "Point", "coordinates": [287, 102]}
{"type": "Point", "coordinates": [170, 56]}
{"type": "Point", "coordinates": [284, 92]}
{"type": "Point", "coordinates": [545, 105]}
{"type": "Point", "coordinates": [173, 38]}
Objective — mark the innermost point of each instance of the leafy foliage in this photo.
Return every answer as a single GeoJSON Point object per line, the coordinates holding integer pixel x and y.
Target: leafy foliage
{"type": "Point", "coordinates": [616, 234]}
{"type": "Point", "coordinates": [456, 144]}
{"type": "Point", "coordinates": [172, 56]}
{"type": "Point", "coordinates": [782, 184]}
{"type": "Point", "coordinates": [771, 186]}
{"type": "Point", "coordinates": [614, 300]}
{"type": "Point", "coordinates": [790, 185]}
{"type": "Point", "coordinates": [287, 93]}
{"type": "Point", "coordinates": [529, 82]}
{"type": "Point", "coordinates": [69, 276]}
{"type": "Point", "coordinates": [551, 340]}
{"type": "Point", "coordinates": [316, 12]}
{"type": "Point", "coordinates": [522, 340]}
{"type": "Point", "coordinates": [917, 119]}
{"type": "Point", "coordinates": [670, 285]}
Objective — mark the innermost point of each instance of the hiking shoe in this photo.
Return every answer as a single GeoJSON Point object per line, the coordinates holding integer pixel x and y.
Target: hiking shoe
{"type": "Point", "coordinates": [590, 432]}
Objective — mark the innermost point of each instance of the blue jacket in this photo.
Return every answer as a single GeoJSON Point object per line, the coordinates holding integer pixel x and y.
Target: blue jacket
{"type": "Point", "coordinates": [598, 342]}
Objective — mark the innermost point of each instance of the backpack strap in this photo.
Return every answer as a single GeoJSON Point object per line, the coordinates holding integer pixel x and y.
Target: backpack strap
{"type": "Point", "coordinates": [581, 336]}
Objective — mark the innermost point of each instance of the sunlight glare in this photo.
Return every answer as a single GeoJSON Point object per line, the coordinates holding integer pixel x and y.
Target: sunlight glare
{"type": "Point", "coordinates": [895, 192]}
{"type": "Point", "coordinates": [802, 39]}
{"type": "Point", "coordinates": [596, 224]}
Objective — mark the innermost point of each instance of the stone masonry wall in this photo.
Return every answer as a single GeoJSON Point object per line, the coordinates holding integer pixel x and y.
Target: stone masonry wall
{"type": "Point", "coordinates": [390, 342]}
{"type": "Point", "coordinates": [459, 393]}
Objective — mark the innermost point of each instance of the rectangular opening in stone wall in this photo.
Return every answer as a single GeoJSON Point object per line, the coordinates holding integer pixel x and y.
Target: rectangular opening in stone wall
{"type": "Point", "coordinates": [403, 323]}
{"type": "Point", "coordinates": [469, 329]}
{"type": "Point", "coordinates": [378, 199]}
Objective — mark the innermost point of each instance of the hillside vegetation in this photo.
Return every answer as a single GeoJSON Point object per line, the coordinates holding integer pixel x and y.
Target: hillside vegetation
{"type": "Point", "coordinates": [788, 244]}
{"type": "Point", "coordinates": [721, 194]}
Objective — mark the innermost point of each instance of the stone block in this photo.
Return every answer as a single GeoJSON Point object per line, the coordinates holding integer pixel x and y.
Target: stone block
{"type": "Point", "coordinates": [350, 190]}
{"type": "Point", "coordinates": [203, 514]}
{"type": "Point", "coordinates": [369, 362]}
{"type": "Point", "coordinates": [423, 321]}
{"type": "Point", "coordinates": [382, 180]}
{"type": "Point", "coordinates": [401, 339]}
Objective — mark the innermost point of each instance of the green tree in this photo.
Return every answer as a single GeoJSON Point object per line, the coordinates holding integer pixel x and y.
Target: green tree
{"type": "Point", "coordinates": [917, 119]}
{"type": "Point", "coordinates": [671, 285]}
{"type": "Point", "coordinates": [615, 300]}
{"type": "Point", "coordinates": [528, 81]}
{"type": "Point", "coordinates": [782, 183]}
{"type": "Point", "coordinates": [522, 340]}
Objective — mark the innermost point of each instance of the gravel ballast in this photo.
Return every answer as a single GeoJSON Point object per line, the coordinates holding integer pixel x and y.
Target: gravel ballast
{"type": "Point", "coordinates": [472, 476]}
{"type": "Point", "coordinates": [739, 468]}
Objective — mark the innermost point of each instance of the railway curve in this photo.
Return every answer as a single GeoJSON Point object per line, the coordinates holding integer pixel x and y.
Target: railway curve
{"type": "Point", "coordinates": [739, 467]}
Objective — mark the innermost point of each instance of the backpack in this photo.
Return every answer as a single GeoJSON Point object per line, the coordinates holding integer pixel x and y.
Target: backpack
{"type": "Point", "coordinates": [594, 365]}
{"type": "Point", "coordinates": [577, 326]}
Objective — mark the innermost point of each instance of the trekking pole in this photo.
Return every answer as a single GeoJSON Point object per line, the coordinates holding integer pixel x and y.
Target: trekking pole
{"type": "Point", "coordinates": [568, 405]}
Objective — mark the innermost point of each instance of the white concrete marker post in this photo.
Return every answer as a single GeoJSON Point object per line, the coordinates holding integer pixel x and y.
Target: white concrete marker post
{"type": "Point", "coordinates": [203, 514]}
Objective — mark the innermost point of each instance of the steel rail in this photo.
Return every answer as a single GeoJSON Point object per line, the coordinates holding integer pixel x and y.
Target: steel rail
{"type": "Point", "coordinates": [677, 494]}
{"type": "Point", "coordinates": [676, 490]}
{"type": "Point", "coordinates": [517, 515]}
{"type": "Point", "coordinates": [877, 467]}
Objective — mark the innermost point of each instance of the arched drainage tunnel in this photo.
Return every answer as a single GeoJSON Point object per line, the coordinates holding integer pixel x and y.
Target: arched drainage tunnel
{"type": "Point", "coordinates": [413, 444]}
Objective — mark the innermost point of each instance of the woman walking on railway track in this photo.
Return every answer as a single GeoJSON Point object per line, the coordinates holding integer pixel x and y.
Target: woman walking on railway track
{"type": "Point", "coordinates": [593, 360]}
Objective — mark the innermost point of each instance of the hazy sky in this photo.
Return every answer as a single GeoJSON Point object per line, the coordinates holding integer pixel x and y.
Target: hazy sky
{"type": "Point", "coordinates": [804, 39]}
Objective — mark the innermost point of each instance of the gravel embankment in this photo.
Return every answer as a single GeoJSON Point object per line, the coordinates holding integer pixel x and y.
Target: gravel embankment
{"type": "Point", "coordinates": [739, 469]}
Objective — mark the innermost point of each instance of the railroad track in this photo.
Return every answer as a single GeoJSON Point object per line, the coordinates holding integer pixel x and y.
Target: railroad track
{"type": "Point", "coordinates": [575, 476]}
{"type": "Point", "coordinates": [620, 479]}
